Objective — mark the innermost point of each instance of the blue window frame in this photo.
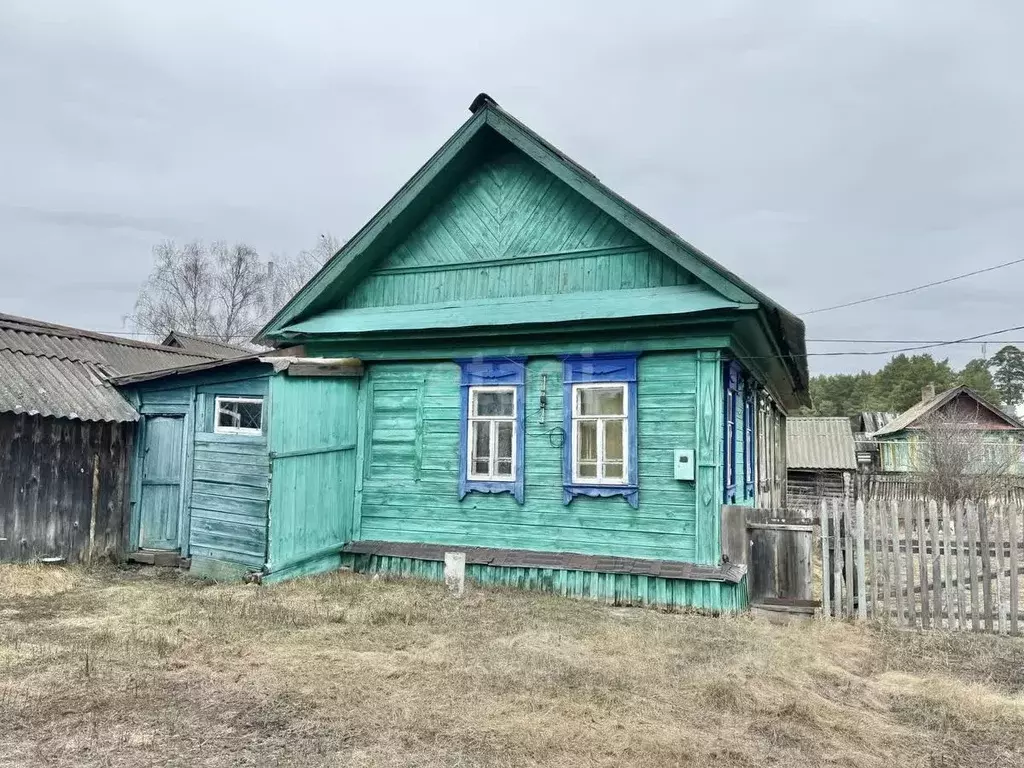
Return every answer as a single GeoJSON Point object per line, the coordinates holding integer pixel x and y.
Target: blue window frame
{"type": "Point", "coordinates": [732, 384]}
{"type": "Point", "coordinates": [492, 423]}
{"type": "Point", "coordinates": [748, 440]}
{"type": "Point", "coordinates": [599, 455]}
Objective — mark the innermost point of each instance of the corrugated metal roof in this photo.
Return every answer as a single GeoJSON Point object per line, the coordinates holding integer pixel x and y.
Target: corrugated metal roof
{"type": "Point", "coordinates": [921, 409]}
{"type": "Point", "coordinates": [820, 443]}
{"type": "Point", "coordinates": [54, 370]}
{"type": "Point", "coordinates": [210, 347]}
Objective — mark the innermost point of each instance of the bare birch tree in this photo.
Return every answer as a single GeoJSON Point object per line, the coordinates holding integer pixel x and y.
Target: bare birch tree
{"type": "Point", "coordinates": [959, 460]}
{"type": "Point", "coordinates": [290, 273]}
{"type": "Point", "coordinates": [222, 292]}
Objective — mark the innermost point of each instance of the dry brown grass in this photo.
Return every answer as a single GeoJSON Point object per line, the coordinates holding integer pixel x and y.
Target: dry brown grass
{"type": "Point", "coordinates": [110, 668]}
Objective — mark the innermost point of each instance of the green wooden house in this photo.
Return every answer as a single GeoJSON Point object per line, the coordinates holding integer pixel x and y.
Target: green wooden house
{"type": "Point", "coordinates": [511, 361]}
{"type": "Point", "coordinates": [977, 432]}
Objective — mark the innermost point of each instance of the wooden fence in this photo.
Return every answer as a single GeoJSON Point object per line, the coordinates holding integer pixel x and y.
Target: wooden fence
{"type": "Point", "coordinates": [917, 563]}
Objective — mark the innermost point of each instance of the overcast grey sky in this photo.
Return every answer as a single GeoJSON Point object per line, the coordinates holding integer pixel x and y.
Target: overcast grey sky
{"type": "Point", "coordinates": [822, 150]}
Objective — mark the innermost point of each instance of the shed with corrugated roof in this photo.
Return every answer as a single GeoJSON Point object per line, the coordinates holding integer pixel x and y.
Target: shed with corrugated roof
{"type": "Point", "coordinates": [66, 436]}
{"type": "Point", "coordinates": [822, 459]}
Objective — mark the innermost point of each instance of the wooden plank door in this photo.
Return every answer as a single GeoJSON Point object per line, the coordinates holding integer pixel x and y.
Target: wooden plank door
{"type": "Point", "coordinates": [160, 498]}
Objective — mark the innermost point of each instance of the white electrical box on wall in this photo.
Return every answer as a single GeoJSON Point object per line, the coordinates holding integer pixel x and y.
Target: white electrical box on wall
{"type": "Point", "coordinates": [685, 468]}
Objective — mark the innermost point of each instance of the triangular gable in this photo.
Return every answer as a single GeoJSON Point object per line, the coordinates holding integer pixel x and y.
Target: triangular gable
{"type": "Point", "coordinates": [913, 417]}
{"type": "Point", "coordinates": [382, 233]}
{"type": "Point", "coordinates": [510, 229]}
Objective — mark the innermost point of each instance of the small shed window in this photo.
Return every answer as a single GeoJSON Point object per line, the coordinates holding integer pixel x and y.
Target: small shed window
{"type": "Point", "coordinates": [238, 416]}
{"type": "Point", "coordinates": [600, 422]}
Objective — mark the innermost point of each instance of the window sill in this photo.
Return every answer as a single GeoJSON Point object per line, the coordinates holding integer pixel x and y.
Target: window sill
{"type": "Point", "coordinates": [514, 488]}
{"type": "Point", "coordinates": [630, 492]}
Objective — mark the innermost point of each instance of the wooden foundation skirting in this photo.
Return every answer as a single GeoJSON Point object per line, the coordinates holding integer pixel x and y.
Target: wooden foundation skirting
{"type": "Point", "coordinates": [730, 573]}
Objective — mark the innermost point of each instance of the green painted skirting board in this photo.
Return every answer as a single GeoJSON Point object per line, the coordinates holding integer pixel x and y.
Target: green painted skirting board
{"type": "Point", "coordinates": [614, 589]}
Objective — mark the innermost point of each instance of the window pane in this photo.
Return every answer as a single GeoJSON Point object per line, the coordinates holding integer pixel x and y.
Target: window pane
{"type": "Point", "coordinates": [613, 470]}
{"type": "Point", "coordinates": [504, 467]}
{"type": "Point", "coordinates": [233, 415]}
{"type": "Point", "coordinates": [586, 469]}
{"type": "Point", "coordinates": [586, 450]}
{"type": "Point", "coordinates": [481, 439]}
{"type": "Point", "coordinates": [481, 467]}
{"type": "Point", "coordinates": [227, 416]}
{"type": "Point", "coordinates": [504, 439]}
{"type": "Point", "coordinates": [613, 429]}
{"type": "Point", "coordinates": [250, 415]}
{"type": "Point", "coordinates": [491, 403]}
{"type": "Point", "coordinates": [601, 401]}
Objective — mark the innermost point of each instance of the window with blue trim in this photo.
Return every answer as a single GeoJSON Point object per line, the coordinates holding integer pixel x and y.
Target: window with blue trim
{"type": "Point", "coordinates": [492, 428]}
{"type": "Point", "coordinates": [732, 384]}
{"type": "Point", "coordinates": [748, 441]}
{"type": "Point", "coordinates": [600, 450]}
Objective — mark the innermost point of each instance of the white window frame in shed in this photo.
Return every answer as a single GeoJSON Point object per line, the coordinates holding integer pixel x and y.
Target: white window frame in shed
{"type": "Point", "coordinates": [222, 430]}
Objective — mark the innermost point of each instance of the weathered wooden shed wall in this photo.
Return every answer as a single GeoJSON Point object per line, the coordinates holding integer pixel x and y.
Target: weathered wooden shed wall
{"type": "Point", "coordinates": [63, 487]}
{"type": "Point", "coordinates": [313, 442]}
{"type": "Point", "coordinates": [226, 478]}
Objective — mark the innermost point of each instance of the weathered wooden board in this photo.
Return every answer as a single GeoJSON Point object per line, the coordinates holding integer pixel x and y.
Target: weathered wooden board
{"type": "Point", "coordinates": [63, 488]}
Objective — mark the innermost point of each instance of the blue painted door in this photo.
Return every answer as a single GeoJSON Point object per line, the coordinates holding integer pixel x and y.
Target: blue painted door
{"type": "Point", "coordinates": [160, 502]}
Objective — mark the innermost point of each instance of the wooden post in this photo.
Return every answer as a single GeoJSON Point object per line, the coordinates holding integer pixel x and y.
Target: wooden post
{"type": "Point", "coordinates": [998, 523]}
{"type": "Point", "coordinates": [933, 524]}
{"type": "Point", "coordinates": [908, 537]}
{"type": "Point", "coordinates": [837, 562]}
{"type": "Point", "coordinates": [849, 558]}
{"type": "Point", "coordinates": [872, 523]}
{"type": "Point", "coordinates": [862, 595]}
{"type": "Point", "coordinates": [960, 521]}
{"type": "Point", "coordinates": [922, 566]}
{"type": "Point", "coordinates": [986, 564]}
{"type": "Point", "coordinates": [95, 506]}
{"type": "Point", "coordinates": [897, 565]}
{"type": "Point", "coordinates": [1014, 576]}
{"type": "Point", "coordinates": [883, 528]}
{"type": "Point", "coordinates": [826, 569]}
{"type": "Point", "coordinates": [947, 561]}
{"type": "Point", "coordinates": [972, 563]}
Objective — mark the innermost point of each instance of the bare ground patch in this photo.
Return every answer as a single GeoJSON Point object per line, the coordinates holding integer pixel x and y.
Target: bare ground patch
{"type": "Point", "coordinates": [112, 668]}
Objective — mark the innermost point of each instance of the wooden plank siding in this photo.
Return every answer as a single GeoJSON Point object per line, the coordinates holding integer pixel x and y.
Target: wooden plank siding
{"type": "Point", "coordinates": [510, 229]}
{"type": "Point", "coordinates": [230, 491]}
{"type": "Point", "coordinates": [313, 441]}
{"type": "Point", "coordinates": [226, 478]}
{"type": "Point", "coordinates": [64, 487]}
{"type": "Point", "coordinates": [410, 493]}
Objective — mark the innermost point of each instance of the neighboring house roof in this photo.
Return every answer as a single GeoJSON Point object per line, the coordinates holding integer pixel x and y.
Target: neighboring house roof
{"type": "Point", "coordinates": [205, 346]}
{"type": "Point", "coordinates": [820, 443]}
{"type": "Point", "coordinates": [54, 370]}
{"type": "Point", "coordinates": [411, 202]}
{"type": "Point", "coordinates": [909, 418]}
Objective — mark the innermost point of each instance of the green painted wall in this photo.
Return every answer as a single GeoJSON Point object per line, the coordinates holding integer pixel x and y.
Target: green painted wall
{"type": "Point", "coordinates": [512, 229]}
{"type": "Point", "coordinates": [410, 467]}
{"type": "Point", "coordinates": [313, 449]}
{"type": "Point", "coordinates": [905, 451]}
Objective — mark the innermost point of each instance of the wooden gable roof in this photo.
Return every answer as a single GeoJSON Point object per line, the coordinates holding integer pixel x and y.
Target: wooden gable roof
{"type": "Point", "coordinates": [352, 262]}
{"type": "Point", "coordinates": [913, 416]}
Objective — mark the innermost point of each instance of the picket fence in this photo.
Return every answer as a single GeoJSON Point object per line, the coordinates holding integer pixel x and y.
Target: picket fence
{"type": "Point", "coordinates": [918, 563]}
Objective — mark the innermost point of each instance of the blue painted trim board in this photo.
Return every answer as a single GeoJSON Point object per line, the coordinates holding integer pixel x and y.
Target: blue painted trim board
{"type": "Point", "coordinates": [581, 369]}
{"type": "Point", "coordinates": [732, 386]}
{"type": "Point", "coordinates": [505, 372]}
